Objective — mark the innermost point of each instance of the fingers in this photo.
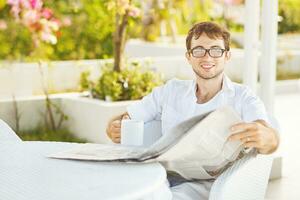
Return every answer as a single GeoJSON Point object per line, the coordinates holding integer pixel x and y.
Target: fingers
{"type": "Point", "coordinates": [116, 124]}
{"type": "Point", "coordinates": [255, 134]}
{"type": "Point", "coordinates": [251, 144]}
{"type": "Point", "coordinates": [126, 116]}
{"type": "Point", "coordinates": [116, 139]}
{"type": "Point", "coordinates": [245, 126]}
{"type": "Point", "coordinates": [249, 139]}
{"type": "Point", "coordinates": [242, 135]}
{"type": "Point", "coordinates": [114, 131]}
{"type": "Point", "coordinates": [242, 131]}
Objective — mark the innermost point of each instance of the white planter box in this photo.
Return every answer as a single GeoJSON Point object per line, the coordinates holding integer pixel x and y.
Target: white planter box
{"type": "Point", "coordinates": [87, 117]}
{"type": "Point", "coordinates": [31, 111]}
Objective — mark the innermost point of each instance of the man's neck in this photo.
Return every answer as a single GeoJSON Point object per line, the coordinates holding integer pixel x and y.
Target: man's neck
{"type": "Point", "coordinates": [208, 88]}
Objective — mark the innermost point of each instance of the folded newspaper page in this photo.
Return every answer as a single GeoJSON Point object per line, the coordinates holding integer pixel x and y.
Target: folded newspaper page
{"type": "Point", "coordinates": [195, 149]}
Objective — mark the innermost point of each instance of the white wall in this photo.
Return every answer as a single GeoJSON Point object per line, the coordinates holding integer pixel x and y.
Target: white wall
{"type": "Point", "coordinates": [87, 117]}
{"type": "Point", "coordinates": [31, 111]}
{"type": "Point", "coordinates": [24, 79]}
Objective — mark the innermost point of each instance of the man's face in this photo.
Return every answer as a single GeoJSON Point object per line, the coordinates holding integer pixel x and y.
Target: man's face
{"type": "Point", "coordinates": [207, 67]}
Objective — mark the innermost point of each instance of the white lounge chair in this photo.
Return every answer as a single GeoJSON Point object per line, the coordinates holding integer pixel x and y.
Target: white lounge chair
{"type": "Point", "coordinates": [7, 134]}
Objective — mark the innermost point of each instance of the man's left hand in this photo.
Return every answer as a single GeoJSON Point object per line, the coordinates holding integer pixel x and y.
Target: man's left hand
{"type": "Point", "coordinates": [256, 134]}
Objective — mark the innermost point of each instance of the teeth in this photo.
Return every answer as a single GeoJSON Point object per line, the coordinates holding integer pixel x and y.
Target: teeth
{"type": "Point", "coordinates": [207, 66]}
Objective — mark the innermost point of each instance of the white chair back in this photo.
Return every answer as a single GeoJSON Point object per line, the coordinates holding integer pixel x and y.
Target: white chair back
{"type": "Point", "coordinates": [6, 133]}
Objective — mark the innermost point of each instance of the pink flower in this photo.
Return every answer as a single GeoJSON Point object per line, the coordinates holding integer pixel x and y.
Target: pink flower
{"type": "Point", "coordinates": [53, 25]}
{"type": "Point", "coordinates": [11, 2]}
{"type": "Point", "coordinates": [36, 4]}
{"type": "Point", "coordinates": [33, 3]}
{"type": "Point", "coordinates": [48, 37]}
{"type": "Point", "coordinates": [134, 11]}
{"type": "Point", "coordinates": [38, 19]}
{"type": "Point", "coordinates": [47, 13]}
{"type": "Point", "coordinates": [66, 21]}
{"type": "Point", "coordinates": [25, 4]}
{"type": "Point", "coordinates": [15, 11]}
{"type": "Point", "coordinates": [30, 17]}
{"type": "Point", "coordinates": [123, 4]}
{"type": "Point", "coordinates": [231, 2]}
{"type": "Point", "coordinates": [3, 25]}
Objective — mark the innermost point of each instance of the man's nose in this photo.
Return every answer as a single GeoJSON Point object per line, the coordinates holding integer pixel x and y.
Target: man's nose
{"type": "Point", "coordinates": [207, 56]}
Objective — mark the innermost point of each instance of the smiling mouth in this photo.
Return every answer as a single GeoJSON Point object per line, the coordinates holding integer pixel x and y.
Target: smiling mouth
{"type": "Point", "coordinates": [207, 66]}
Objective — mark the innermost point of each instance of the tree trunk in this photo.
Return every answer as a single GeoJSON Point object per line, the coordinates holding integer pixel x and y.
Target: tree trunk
{"type": "Point", "coordinates": [119, 40]}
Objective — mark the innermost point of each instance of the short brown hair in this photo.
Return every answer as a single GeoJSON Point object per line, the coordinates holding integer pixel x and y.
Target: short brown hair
{"type": "Point", "coordinates": [212, 30]}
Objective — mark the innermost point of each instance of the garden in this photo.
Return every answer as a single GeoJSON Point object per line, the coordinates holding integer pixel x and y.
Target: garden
{"type": "Point", "coordinates": [67, 67]}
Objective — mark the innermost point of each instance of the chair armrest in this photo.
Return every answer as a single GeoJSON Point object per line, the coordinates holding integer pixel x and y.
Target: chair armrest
{"type": "Point", "coordinates": [247, 179]}
{"type": "Point", "coordinates": [7, 134]}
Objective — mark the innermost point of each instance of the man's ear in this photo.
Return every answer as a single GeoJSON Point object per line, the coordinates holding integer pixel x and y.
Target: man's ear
{"type": "Point", "coordinates": [227, 55]}
{"type": "Point", "coordinates": [188, 57]}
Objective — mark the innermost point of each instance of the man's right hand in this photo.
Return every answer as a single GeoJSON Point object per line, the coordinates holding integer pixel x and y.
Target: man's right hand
{"type": "Point", "coordinates": [113, 129]}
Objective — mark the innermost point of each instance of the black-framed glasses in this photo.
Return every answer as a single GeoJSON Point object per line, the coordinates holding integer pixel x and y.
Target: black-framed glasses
{"type": "Point", "coordinates": [199, 52]}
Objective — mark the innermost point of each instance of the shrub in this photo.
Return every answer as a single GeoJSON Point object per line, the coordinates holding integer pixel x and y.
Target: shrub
{"type": "Point", "coordinates": [43, 134]}
{"type": "Point", "coordinates": [129, 84]}
{"type": "Point", "coordinates": [289, 11]}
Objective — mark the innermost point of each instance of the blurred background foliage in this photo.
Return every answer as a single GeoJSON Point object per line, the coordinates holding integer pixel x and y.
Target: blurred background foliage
{"type": "Point", "coordinates": [131, 83]}
{"type": "Point", "coordinates": [43, 134]}
{"type": "Point", "coordinates": [88, 26]}
{"type": "Point", "coordinates": [290, 16]}
{"type": "Point", "coordinates": [85, 34]}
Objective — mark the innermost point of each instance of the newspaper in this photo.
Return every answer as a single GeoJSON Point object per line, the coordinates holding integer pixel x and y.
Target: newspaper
{"type": "Point", "coordinates": [197, 148]}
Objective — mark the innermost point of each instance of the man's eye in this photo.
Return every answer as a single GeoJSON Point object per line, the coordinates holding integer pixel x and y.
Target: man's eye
{"type": "Point", "coordinates": [199, 50]}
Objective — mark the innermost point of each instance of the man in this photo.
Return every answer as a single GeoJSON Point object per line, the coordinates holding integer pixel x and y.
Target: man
{"type": "Point", "coordinates": [207, 52]}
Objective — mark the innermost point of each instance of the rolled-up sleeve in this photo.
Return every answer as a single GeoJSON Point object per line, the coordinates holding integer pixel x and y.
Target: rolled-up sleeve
{"type": "Point", "coordinates": [253, 108]}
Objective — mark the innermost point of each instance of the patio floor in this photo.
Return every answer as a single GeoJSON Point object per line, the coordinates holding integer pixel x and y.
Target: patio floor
{"type": "Point", "coordinates": [287, 111]}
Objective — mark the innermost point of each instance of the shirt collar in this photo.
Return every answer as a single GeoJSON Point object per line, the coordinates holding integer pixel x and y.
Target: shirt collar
{"type": "Point", "coordinates": [227, 87]}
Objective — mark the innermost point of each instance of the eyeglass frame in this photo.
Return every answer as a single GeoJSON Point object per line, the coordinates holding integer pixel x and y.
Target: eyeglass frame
{"type": "Point", "coordinates": [190, 51]}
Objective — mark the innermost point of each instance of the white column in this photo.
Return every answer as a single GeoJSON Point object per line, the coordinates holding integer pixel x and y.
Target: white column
{"type": "Point", "coordinates": [251, 41]}
{"type": "Point", "coordinates": [268, 56]}
{"type": "Point", "coordinates": [268, 67]}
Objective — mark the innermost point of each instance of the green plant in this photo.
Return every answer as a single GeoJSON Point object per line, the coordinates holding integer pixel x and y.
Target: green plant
{"type": "Point", "coordinates": [85, 83]}
{"type": "Point", "coordinates": [85, 33]}
{"type": "Point", "coordinates": [38, 19]}
{"type": "Point", "coordinates": [170, 17]}
{"type": "Point", "coordinates": [129, 84]}
{"type": "Point", "coordinates": [289, 11]}
{"type": "Point", "coordinates": [52, 108]}
{"type": "Point", "coordinates": [286, 75]}
{"type": "Point", "coordinates": [43, 134]}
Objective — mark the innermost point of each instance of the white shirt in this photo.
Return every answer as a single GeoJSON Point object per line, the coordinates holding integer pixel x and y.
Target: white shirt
{"type": "Point", "coordinates": [176, 101]}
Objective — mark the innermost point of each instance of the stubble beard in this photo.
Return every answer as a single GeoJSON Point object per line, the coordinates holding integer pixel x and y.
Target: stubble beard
{"type": "Point", "coordinates": [208, 77]}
